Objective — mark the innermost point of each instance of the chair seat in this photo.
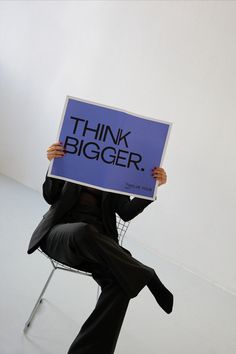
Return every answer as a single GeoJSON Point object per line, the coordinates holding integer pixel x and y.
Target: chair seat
{"type": "Point", "coordinates": [62, 266]}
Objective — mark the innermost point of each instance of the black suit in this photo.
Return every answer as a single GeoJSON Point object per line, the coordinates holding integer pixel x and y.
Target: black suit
{"type": "Point", "coordinates": [84, 246]}
{"type": "Point", "coordinates": [63, 195]}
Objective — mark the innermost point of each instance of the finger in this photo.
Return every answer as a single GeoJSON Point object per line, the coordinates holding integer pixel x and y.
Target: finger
{"type": "Point", "coordinates": [159, 174]}
{"type": "Point", "coordinates": [60, 152]}
{"type": "Point", "coordinates": [56, 145]}
{"type": "Point", "coordinates": [55, 153]}
{"type": "Point", "coordinates": [55, 148]}
{"type": "Point", "coordinates": [160, 177]}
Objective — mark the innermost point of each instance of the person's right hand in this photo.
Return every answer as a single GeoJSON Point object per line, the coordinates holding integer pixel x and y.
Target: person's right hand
{"type": "Point", "coordinates": [55, 150]}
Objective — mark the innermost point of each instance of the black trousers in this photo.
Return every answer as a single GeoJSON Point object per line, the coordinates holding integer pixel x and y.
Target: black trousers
{"type": "Point", "coordinates": [120, 276]}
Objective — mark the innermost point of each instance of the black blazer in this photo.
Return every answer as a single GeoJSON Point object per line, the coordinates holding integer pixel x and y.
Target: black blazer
{"type": "Point", "coordinates": [62, 196]}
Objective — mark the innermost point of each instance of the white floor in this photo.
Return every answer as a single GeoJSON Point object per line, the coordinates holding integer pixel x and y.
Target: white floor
{"type": "Point", "coordinates": [203, 320]}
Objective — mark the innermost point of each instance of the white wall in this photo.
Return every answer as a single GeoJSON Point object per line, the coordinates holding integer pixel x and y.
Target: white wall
{"type": "Point", "coordinates": [170, 60]}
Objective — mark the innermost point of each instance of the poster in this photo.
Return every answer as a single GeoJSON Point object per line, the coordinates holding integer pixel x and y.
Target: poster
{"type": "Point", "coordinates": [110, 149]}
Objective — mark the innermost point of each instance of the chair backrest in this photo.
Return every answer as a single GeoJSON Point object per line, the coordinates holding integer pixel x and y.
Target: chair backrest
{"type": "Point", "coordinates": [122, 227]}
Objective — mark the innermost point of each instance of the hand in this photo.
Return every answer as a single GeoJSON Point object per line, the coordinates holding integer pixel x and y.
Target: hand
{"type": "Point", "coordinates": [160, 175]}
{"type": "Point", "coordinates": [55, 150]}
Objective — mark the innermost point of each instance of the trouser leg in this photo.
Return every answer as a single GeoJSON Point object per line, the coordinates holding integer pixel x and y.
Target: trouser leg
{"type": "Point", "coordinates": [76, 244]}
{"type": "Point", "coordinates": [100, 331]}
{"type": "Point", "coordinates": [79, 244]}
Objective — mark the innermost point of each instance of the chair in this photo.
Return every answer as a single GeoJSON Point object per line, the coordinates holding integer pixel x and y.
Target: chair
{"type": "Point", "coordinates": [122, 227]}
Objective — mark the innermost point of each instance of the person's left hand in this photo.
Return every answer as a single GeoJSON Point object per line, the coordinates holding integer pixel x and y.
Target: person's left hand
{"type": "Point", "coordinates": [160, 175]}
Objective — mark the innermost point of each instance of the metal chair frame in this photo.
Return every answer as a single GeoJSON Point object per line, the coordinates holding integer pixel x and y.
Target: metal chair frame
{"type": "Point", "coordinates": [122, 227]}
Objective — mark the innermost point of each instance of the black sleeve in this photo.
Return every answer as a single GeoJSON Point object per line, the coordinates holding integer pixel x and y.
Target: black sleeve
{"type": "Point", "coordinates": [127, 209]}
{"type": "Point", "coordinates": [51, 189]}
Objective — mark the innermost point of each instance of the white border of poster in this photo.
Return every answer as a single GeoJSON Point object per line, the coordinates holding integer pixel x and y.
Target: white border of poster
{"type": "Point", "coordinates": [50, 174]}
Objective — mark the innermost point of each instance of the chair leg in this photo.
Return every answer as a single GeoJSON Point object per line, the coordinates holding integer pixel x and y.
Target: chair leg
{"type": "Point", "coordinates": [27, 324]}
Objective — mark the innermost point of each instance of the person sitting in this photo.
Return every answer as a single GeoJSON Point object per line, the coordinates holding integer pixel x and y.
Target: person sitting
{"type": "Point", "coordinates": [79, 230]}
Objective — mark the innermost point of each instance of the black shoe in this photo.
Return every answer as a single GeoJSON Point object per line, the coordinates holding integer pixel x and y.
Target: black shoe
{"type": "Point", "coordinates": [162, 295]}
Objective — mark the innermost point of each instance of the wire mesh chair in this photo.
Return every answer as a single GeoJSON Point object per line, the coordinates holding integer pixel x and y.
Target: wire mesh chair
{"type": "Point", "coordinates": [122, 227]}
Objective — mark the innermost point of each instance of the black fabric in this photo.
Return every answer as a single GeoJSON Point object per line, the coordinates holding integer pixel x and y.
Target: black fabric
{"type": "Point", "coordinates": [90, 196]}
{"type": "Point", "coordinates": [63, 196]}
{"type": "Point", "coordinates": [86, 213]}
{"type": "Point", "coordinates": [120, 276]}
{"type": "Point", "coordinates": [100, 331]}
{"type": "Point", "coordinates": [81, 245]}
{"type": "Point", "coordinates": [162, 295]}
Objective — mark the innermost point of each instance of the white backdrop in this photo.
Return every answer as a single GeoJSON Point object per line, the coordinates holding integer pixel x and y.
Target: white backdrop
{"type": "Point", "coordinates": [170, 60]}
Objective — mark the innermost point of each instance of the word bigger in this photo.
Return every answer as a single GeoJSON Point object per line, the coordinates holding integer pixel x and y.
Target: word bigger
{"type": "Point", "coordinates": [87, 140]}
{"type": "Point", "coordinates": [109, 155]}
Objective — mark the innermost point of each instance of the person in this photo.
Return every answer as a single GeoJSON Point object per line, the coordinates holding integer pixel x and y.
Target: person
{"type": "Point", "coordinates": [79, 230]}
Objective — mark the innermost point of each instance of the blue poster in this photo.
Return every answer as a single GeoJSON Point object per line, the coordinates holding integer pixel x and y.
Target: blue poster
{"type": "Point", "coordinates": [109, 149]}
